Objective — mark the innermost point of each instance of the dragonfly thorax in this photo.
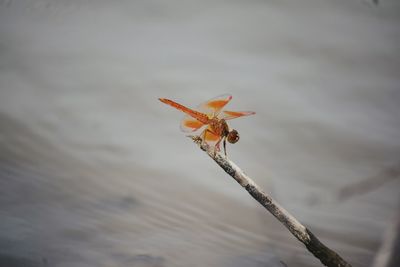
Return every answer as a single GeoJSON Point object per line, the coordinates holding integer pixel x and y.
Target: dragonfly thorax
{"type": "Point", "coordinates": [221, 128]}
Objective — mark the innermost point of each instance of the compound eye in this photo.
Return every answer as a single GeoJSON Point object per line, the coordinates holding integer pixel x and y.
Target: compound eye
{"type": "Point", "coordinates": [233, 136]}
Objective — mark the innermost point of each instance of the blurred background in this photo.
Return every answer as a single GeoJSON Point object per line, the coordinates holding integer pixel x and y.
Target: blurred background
{"type": "Point", "coordinates": [94, 170]}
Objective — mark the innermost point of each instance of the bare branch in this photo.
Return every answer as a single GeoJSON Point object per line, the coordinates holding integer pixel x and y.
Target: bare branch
{"type": "Point", "coordinates": [327, 256]}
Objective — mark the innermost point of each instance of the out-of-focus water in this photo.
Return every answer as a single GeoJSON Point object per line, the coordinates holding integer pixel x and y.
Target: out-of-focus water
{"type": "Point", "coordinates": [94, 170]}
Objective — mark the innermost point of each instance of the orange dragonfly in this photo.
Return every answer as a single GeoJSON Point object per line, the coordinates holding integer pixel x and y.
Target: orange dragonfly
{"type": "Point", "coordinates": [209, 114]}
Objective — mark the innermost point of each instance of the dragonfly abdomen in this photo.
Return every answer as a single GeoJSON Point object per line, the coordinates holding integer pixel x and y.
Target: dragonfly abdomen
{"type": "Point", "coordinates": [203, 118]}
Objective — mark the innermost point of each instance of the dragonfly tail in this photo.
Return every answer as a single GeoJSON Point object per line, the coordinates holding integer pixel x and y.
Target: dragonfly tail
{"type": "Point", "coordinates": [193, 113]}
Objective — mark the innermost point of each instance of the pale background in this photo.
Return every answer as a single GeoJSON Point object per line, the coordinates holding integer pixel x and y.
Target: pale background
{"type": "Point", "coordinates": [95, 172]}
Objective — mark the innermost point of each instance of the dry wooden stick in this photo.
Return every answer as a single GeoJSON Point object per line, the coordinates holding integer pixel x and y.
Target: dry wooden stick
{"type": "Point", "coordinates": [327, 256]}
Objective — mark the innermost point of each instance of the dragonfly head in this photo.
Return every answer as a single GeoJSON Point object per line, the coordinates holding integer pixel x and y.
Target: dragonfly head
{"type": "Point", "coordinates": [233, 136]}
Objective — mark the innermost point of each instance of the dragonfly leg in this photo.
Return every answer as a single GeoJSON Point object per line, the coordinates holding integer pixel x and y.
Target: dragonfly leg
{"type": "Point", "coordinates": [217, 144]}
{"type": "Point", "coordinates": [225, 146]}
{"type": "Point", "coordinates": [217, 148]}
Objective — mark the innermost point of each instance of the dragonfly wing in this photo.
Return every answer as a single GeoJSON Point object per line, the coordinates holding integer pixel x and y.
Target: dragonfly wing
{"type": "Point", "coordinates": [189, 124]}
{"type": "Point", "coordinates": [229, 115]}
{"type": "Point", "coordinates": [211, 108]}
{"type": "Point", "coordinates": [210, 136]}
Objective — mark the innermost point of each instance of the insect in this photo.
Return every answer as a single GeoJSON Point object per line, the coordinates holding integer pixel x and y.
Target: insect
{"type": "Point", "coordinates": [210, 114]}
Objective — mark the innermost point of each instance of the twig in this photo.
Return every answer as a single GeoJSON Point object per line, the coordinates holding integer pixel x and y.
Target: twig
{"type": "Point", "coordinates": [327, 256]}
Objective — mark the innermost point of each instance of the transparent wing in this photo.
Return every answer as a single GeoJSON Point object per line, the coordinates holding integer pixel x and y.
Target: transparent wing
{"type": "Point", "coordinates": [211, 108]}
{"type": "Point", "coordinates": [229, 115]}
{"type": "Point", "coordinates": [190, 124]}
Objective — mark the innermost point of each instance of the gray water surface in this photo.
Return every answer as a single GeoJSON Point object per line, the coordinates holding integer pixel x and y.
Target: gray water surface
{"type": "Point", "coordinates": [95, 172]}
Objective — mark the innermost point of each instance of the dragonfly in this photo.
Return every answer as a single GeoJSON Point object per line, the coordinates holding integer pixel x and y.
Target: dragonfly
{"type": "Point", "coordinates": [210, 117]}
